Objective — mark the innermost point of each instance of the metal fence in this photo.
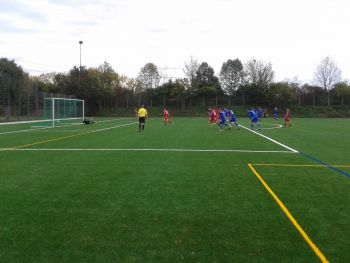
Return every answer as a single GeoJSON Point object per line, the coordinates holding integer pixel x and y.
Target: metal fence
{"type": "Point", "coordinates": [20, 99]}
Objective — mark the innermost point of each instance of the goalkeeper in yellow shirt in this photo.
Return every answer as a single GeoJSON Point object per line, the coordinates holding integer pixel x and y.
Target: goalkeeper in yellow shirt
{"type": "Point", "coordinates": [142, 114]}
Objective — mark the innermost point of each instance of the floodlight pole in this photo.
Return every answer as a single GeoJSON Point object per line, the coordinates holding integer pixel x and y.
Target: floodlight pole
{"type": "Point", "coordinates": [53, 112]}
{"type": "Point", "coordinates": [80, 43]}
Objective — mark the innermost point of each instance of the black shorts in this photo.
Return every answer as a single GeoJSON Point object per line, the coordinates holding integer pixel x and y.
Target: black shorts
{"type": "Point", "coordinates": [142, 119]}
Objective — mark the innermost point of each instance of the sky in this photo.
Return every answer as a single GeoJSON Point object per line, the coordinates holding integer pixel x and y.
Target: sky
{"type": "Point", "coordinates": [294, 35]}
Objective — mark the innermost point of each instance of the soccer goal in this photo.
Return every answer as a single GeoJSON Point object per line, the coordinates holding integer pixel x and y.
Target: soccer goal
{"type": "Point", "coordinates": [62, 111]}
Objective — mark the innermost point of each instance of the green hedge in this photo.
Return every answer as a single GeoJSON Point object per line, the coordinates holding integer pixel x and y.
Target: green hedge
{"type": "Point", "coordinates": [322, 112]}
{"type": "Point", "coordinates": [305, 111]}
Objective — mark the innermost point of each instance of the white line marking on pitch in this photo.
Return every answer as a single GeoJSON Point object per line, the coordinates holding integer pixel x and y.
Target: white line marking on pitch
{"type": "Point", "coordinates": [140, 150]}
{"type": "Point", "coordinates": [65, 137]}
{"type": "Point", "coordinates": [27, 130]}
{"type": "Point", "coordinates": [110, 120]}
{"type": "Point", "coordinates": [270, 139]}
{"type": "Point", "coordinates": [50, 127]}
{"type": "Point", "coordinates": [276, 126]}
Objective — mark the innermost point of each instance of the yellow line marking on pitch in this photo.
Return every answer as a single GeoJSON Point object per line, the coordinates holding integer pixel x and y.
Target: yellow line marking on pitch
{"type": "Point", "coordinates": [299, 165]}
{"type": "Point", "coordinates": [290, 217]}
{"type": "Point", "coordinates": [67, 137]}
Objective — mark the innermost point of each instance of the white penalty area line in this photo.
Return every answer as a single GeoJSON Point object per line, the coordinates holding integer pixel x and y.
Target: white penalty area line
{"type": "Point", "coordinates": [270, 139]}
{"type": "Point", "coordinates": [139, 150]}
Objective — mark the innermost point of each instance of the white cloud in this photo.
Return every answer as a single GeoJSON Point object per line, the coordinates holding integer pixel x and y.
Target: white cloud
{"type": "Point", "coordinates": [293, 35]}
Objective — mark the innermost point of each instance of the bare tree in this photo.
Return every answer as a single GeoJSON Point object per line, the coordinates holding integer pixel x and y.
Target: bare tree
{"type": "Point", "coordinates": [259, 73]}
{"type": "Point", "coordinates": [327, 74]}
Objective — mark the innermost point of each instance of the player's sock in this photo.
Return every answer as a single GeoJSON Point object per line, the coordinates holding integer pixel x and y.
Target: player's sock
{"type": "Point", "coordinates": [143, 127]}
{"type": "Point", "coordinates": [251, 125]}
{"type": "Point", "coordinates": [140, 127]}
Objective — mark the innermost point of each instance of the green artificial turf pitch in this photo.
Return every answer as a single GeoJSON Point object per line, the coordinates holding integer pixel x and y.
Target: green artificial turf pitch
{"type": "Point", "coordinates": [107, 193]}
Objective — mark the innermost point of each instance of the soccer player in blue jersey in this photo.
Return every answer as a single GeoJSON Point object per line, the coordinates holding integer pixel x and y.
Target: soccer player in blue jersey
{"type": "Point", "coordinates": [253, 119]}
{"type": "Point", "coordinates": [222, 119]}
{"type": "Point", "coordinates": [233, 119]}
{"type": "Point", "coordinates": [227, 113]}
{"type": "Point", "coordinates": [275, 114]}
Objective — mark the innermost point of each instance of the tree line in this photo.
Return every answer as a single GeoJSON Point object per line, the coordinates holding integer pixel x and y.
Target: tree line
{"type": "Point", "coordinates": [251, 83]}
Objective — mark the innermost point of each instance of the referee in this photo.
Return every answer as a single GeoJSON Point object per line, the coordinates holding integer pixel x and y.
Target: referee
{"type": "Point", "coordinates": [142, 114]}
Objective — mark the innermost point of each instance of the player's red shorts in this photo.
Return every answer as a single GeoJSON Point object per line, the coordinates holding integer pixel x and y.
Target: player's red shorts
{"type": "Point", "coordinates": [166, 118]}
{"type": "Point", "coordinates": [287, 118]}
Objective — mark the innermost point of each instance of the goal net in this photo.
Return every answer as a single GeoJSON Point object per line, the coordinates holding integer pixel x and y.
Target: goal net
{"type": "Point", "coordinates": [61, 111]}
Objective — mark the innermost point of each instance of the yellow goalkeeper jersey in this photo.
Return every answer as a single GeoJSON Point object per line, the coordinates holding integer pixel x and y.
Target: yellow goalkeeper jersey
{"type": "Point", "coordinates": [142, 112]}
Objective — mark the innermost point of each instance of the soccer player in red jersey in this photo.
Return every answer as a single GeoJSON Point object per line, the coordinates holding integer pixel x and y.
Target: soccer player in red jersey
{"type": "Point", "coordinates": [212, 116]}
{"type": "Point", "coordinates": [287, 119]}
{"type": "Point", "coordinates": [166, 117]}
{"type": "Point", "coordinates": [217, 115]}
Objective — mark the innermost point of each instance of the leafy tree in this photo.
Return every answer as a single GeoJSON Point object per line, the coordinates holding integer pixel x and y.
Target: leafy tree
{"type": "Point", "coordinates": [85, 84]}
{"type": "Point", "coordinates": [109, 81]}
{"type": "Point", "coordinates": [206, 78]}
{"type": "Point", "coordinates": [177, 92]}
{"type": "Point", "coordinates": [61, 83]}
{"type": "Point", "coordinates": [282, 94]}
{"type": "Point", "coordinates": [342, 90]}
{"type": "Point", "coordinates": [149, 76]}
{"type": "Point", "coordinates": [164, 91]}
{"type": "Point", "coordinates": [148, 79]}
{"type": "Point", "coordinates": [11, 78]}
{"type": "Point", "coordinates": [209, 92]}
{"type": "Point", "coordinates": [295, 86]}
{"type": "Point", "coordinates": [231, 76]}
{"type": "Point", "coordinates": [11, 68]}
{"type": "Point", "coordinates": [314, 91]}
{"type": "Point", "coordinates": [327, 74]}
{"type": "Point", "coordinates": [253, 94]}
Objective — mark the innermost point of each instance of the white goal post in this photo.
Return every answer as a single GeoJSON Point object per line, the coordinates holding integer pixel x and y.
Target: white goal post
{"type": "Point", "coordinates": [62, 111]}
